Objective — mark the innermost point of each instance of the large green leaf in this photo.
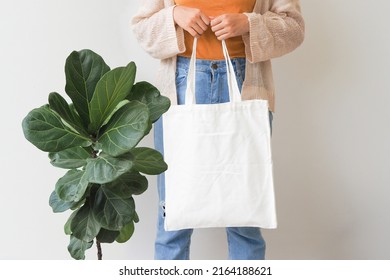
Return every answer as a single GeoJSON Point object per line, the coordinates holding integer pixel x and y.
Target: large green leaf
{"type": "Point", "coordinates": [83, 70]}
{"type": "Point", "coordinates": [131, 183]}
{"type": "Point", "coordinates": [70, 158]}
{"type": "Point", "coordinates": [107, 236]}
{"type": "Point", "coordinates": [72, 186]}
{"type": "Point", "coordinates": [125, 233]}
{"type": "Point", "coordinates": [120, 105]}
{"type": "Point", "coordinates": [67, 228]}
{"type": "Point", "coordinates": [112, 88]}
{"type": "Point", "coordinates": [44, 129]}
{"type": "Point", "coordinates": [58, 104]}
{"type": "Point", "coordinates": [125, 129]}
{"type": "Point", "coordinates": [111, 210]}
{"type": "Point", "coordinates": [74, 112]}
{"type": "Point", "coordinates": [150, 95]}
{"type": "Point", "coordinates": [84, 226]}
{"type": "Point", "coordinates": [105, 169]}
{"type": "Point", "coordinates": [148, 161]}
{"type": "Point", "coordinates": [59, 205]}
{"type": "Point", "coordinates": [77, 248]}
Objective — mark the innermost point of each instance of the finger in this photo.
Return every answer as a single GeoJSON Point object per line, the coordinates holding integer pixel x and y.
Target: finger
{"type": "Point", "coordinates": [221, 33]}
{"type": "Point", "coordinates": [202, 24]}
{"type": "Point", "coordinates": [197, 29]}
{"type": "Point", "coordinates": [216, 21]}
{"type": "Point", "coordinates": [205, 19]}
{"type": "Point", "coordinates": [224, 36]}
{"type": "Point", "coordinates": [193, 32]}
{"type": "Point", "coordinates": [217, 27]}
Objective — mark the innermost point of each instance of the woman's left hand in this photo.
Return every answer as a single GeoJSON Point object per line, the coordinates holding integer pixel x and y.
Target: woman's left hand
{"type": "Point", "coordinates": [229, 25]}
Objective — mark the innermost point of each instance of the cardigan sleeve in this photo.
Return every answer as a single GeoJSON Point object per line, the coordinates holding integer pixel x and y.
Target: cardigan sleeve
{"type": "Point", "coordinates": [155, 30]}
{"type": "Point", "coordinates": [275, 32]}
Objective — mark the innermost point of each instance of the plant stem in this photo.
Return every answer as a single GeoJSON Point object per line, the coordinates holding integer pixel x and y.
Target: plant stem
{"type": "Point", "coordinates": [94, 154]}
{"type": "Point", "coordinates": [99, 250]}
{"type": "Point", "coordinates": [98, 245]}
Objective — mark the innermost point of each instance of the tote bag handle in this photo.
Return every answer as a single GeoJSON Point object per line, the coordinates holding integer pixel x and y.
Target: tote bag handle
{"type": "Point", "coordinates": [234, 92]}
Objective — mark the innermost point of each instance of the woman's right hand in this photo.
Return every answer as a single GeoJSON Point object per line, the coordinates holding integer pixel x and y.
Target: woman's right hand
{"type": "Point", "coordinates": [192, 20]}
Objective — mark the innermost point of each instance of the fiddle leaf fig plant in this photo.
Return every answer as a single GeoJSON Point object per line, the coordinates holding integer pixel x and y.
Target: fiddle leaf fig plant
{"type": "Point", "coordinates": [95, 137]}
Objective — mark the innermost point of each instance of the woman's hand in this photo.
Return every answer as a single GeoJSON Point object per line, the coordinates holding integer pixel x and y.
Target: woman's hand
{"type": "Point", "coordinates": [230, 25]}
{"type": "Point", "coordinates": [190, 19]}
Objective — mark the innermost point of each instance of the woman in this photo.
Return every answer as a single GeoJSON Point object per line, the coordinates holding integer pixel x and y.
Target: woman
{"type": "Point", "coordinates": [255, 32]}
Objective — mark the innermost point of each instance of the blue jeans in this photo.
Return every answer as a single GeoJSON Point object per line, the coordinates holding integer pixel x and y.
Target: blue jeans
{"type": "Point", "coordinates": [244, 243]}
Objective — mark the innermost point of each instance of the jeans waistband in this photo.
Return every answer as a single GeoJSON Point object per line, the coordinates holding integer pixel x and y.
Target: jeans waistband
{"type": "Point", "coordinates": [205, 64]}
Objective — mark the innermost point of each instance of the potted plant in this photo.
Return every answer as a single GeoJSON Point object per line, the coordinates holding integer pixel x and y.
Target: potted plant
{"type": "Point", "coordinates": [95, 138]}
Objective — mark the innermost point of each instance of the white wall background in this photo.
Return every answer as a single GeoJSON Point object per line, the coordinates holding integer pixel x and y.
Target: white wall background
{"type": "Point", "coordinates": [331, 138]}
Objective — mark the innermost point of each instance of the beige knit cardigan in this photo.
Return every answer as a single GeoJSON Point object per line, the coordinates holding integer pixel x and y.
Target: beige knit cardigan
{"type": "Point", "coordinates": [276, 27]}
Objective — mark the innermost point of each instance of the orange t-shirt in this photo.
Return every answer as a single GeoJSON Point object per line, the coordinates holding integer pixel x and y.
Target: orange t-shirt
{"type": "Point", "coordinates": [209, 47]}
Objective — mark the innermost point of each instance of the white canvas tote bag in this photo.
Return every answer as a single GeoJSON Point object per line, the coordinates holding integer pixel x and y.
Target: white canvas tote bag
{"type": "Point", "coordinates": [219, 161]}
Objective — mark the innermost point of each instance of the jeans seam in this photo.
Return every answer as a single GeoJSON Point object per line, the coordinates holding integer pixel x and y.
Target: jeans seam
{"type": "Point", "coordinates": [239, 73]}
{"type": "Point", "coordinates": [187, 249]}
{"type": "Point", "coordinates": [228, 243]}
